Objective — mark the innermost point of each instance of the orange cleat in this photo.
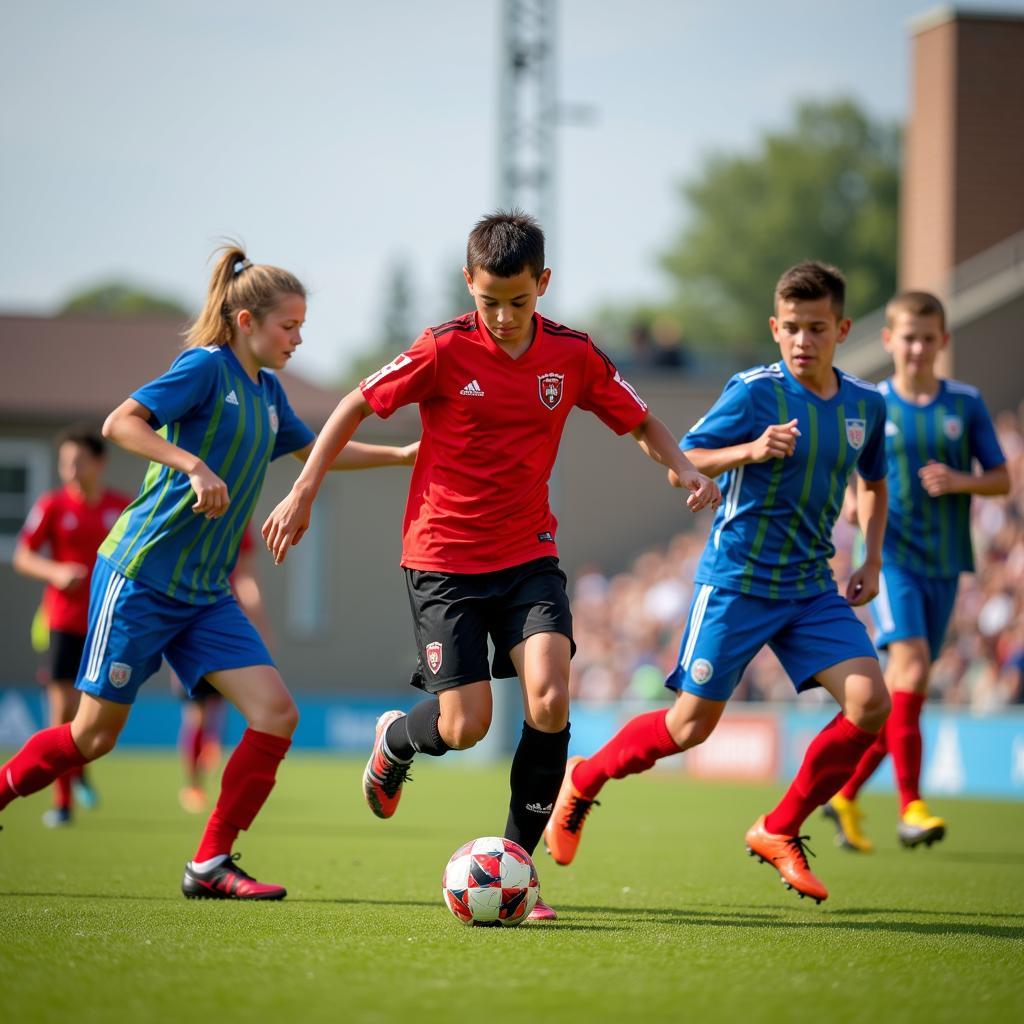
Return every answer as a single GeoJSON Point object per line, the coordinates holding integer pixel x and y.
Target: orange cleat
{"type": "Point", "coordinates": [192, 800]}
{"type": "Point", "coordinates": [788, 855]}
{"type": "Point", "coordinates": [542, 912]}
{"type": "Point", "coordinates": [564, 827]}
{"type": "Point", "coordinates": [384, 776]}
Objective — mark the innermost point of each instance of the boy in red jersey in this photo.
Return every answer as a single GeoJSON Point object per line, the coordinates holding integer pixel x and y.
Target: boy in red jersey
{"type": "Point", "coordinates": [71, 522]}
{"type": "Point", "coordinates": [494, 388]}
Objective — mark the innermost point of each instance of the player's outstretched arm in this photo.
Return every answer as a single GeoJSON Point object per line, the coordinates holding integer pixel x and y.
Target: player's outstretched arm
{"type": "Point", "coordinates": [657, 441]}
{"type": "Point", "coordinates": [357, 455]}
{"type": "Point", "coordinates": [777, 442]}
{"type": "Point", "coordinates": [872, 509]}
{"type": "Point", "coordinates": [289, 521]}
{"type": "Point", "coordinates": [938, 479]}
{"type": "Point", "coordinates": [128, 427]}
{"type": "Point", "coordinates": [60, 575]}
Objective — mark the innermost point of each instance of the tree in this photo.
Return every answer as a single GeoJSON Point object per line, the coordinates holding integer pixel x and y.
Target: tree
{"type": "Point", "coordinates": [119, 298]}
{"type": "Point", "coordinates": [826, 188]}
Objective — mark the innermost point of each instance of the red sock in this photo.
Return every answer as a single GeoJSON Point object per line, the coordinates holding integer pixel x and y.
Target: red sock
{"type": "Point", "coordinates": [47, 755]}
{"type": "Point", "coordinates": [904, 733]}
{"type": "Point", "coordinates": [868, 764]}
{"type": "Point", "coordinates": [830, 758]}
{"type": "Point", "coordinates": [191, 748]}
{"type": "Point", "coordinates": [62, 791]}
{"type": "Point", "coordinates": [633, 749]}
{"type": "Point", "coordinates": [247, 781]}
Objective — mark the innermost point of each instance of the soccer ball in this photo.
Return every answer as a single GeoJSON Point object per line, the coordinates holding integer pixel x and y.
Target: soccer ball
{"type": "Point", "coordinates": [490, 881]}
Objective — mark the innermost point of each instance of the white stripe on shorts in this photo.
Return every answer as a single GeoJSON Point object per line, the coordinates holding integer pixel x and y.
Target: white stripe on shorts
{"type": "Point", "coordinates": [101, 634]}
{"type": "Point", "coordinates": [700, 605]}
{"type": "Point", "coordinates": [886, 623]}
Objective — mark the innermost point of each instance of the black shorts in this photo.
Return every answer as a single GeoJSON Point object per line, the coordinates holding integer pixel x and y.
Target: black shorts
{"type": "Point", "coordinates": [454, 613]}
{"type": "Point", "coordinates": [65, 655]}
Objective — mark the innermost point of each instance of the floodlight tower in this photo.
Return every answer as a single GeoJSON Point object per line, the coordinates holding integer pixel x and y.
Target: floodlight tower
{"type": "Point", "coordinates": [528, 109]}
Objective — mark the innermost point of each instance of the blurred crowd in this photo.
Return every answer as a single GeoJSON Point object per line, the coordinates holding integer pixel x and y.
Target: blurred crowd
{"type": "Point", "coordinates": [628, 626]}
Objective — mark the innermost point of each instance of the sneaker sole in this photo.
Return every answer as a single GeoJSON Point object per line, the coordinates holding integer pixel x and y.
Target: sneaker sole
{"type": "Point", "coordinates": [924, 838]}
{"type": "Point", "coordinates": [243, 899]}
{"type": "Point", "coordinates": [786, 884]}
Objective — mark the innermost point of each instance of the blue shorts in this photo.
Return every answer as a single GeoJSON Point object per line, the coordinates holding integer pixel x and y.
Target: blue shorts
{"type": "Point", "coordinates": [911, 606]}
{"type": "Point", "coordinates": [132, 626]}
{"type": "Point", "coordinates": [726, 629]}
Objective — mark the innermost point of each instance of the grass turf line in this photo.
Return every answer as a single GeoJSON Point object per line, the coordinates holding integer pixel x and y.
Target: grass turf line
{"type": "Point", "coordinates": [662, 918]}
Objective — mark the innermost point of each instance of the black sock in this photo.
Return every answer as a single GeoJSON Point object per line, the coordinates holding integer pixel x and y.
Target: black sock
{"type": "Point", "coordinates": [417, 732]}
{"type": "Point", "coordinates": [537, 770]}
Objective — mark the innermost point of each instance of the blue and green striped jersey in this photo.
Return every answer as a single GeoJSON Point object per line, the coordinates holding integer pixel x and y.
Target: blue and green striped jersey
{"type": "Point", "coordinates": [772, 534]}
{"type": "Point", "coordinates": [208, 405]}
{"type": "Point", "coordinates": [932, 536]}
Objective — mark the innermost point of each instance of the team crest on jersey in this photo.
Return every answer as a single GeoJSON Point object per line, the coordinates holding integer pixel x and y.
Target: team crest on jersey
{"type": "Point", "coordinates": [272, 416]}
{"type": "Point", "coordinates": [701, 671]}
{"type": "Point", "coordinates": [433, 652]}
{"type": "Point", "coordinates": [550, 387]}
{"type": "Point", "coordinates": [952, 427]}
{"type": "Point", "coordinates": [891, 430]}
{"type": "Point", "coordinates": [855, 431]}
{"type": "Point", "coordinates": [119, 674]}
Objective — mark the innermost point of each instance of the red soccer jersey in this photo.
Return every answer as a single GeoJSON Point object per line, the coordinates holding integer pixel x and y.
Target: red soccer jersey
{"type": "Point", "coordinates": [73, 530]}
{"type": "Point", "coordinates": [478, 498]}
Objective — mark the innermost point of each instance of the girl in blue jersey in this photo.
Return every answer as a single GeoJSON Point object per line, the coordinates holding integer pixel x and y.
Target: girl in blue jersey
{"type": "Point", "coordinates": [209, 426]}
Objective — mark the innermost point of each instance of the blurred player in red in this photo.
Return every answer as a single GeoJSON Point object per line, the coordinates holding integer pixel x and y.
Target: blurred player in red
{"type": "Point", "coordinates": [57, 545]}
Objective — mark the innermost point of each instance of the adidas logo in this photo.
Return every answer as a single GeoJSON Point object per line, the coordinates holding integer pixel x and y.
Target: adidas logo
{"type": "Point", "coordinates": [473, 388]}
{"type": "Point", "coordinates": [540, 808]}
{"type": "Point", "coordinates": [232, 398]}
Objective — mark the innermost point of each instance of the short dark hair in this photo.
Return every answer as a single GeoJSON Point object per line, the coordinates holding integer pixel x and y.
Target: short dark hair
{"type": "Point", "coordinates": [813, 280]}
{"type": "Point", "coordinates": [916, 304]}
{"type": "Point", "coordinates": [83, 434]}
{"type": "Point", "coordinates": [506, 243]}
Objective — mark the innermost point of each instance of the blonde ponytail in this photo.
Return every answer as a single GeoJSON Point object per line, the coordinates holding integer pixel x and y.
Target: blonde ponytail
{"type": "Point", "coordinates": [237, 284]}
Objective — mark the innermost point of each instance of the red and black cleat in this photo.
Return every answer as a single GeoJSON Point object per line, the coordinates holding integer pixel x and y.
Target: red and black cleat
{"type": "Point", "coordinates": [384, 776]}
{"type": "Point", "coordinates": [227, 881]}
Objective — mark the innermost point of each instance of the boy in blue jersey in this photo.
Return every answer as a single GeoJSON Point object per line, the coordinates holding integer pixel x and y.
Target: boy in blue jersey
{"type": "Point", "coordinates": [209, 426]}
{"type": "Point", "coordinates": [935, 432]}
{"type": "Point", "coordinates": [785, 438]}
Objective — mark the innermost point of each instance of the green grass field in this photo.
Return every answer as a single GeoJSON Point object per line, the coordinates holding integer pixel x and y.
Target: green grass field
{"type": "Point", "coordinates": [662, 918]}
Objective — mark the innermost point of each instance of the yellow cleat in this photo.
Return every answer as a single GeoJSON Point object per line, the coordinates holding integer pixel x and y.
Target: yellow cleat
{"type": "Point", "coordinates": [846, 816]}
{"type": "Point", "coordinates": [918, 826]}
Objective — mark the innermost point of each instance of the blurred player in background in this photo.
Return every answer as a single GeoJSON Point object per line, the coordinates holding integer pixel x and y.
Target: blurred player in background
{"type": "Point", "coordinates": [935, 431]}
{"type": "Point", "coordinates": [203, 712]}
{"type": "Point", "coordinates": [209, 426]}
{"type": "Point", "coordinates": [787, 436]}
{"type": "Point", "coordinates": [57, 545]}
{"type": "Point", "coordinates": [494, 388]}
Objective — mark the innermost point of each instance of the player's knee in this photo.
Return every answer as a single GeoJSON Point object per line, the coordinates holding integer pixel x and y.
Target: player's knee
{"type": "Point", "coordinates": [279, 717]}
{"type": "Point", "coordinates": [96, 741]}
{"type": "Point", "coordinates": [914, 675]}
{"type": "Point", "coordinates": [871, 711]}
{"type": "Point", "coordinates": [551, 710]}
{"type": "Point", "coordinates": [287, 717]}
{"type": "Point", "coordinates": [692, 732]}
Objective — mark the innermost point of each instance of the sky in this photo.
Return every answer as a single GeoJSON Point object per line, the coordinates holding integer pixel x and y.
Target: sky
{"type": "Point", "coordinates": [341, 139]}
